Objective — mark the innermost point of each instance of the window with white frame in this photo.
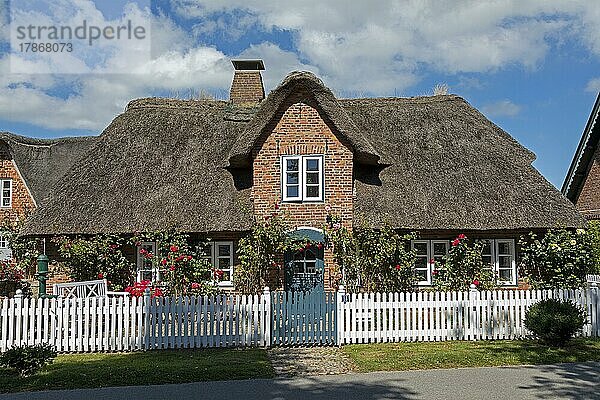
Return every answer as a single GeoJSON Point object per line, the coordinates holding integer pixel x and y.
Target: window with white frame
{"type": "Point", "coordinates": [305, 262]}
{"type": "Point", "coordinates": [5, 251]}
{"type": "Point", "coordinates": [499, 255]}
{"type": "Point", "coordinates": [302, 178]}
{"type": "Point", "coordinates": [6, 193]}
{"type": "Point", "coordinates": [428, 254]}
{"type": "Point", "coordinates": [220, 256]}
{"type": "Point", "coordinates": [147, 269]}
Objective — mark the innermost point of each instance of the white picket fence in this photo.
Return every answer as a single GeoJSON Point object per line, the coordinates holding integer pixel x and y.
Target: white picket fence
{"type": "Point", "coordinates": [129, 324]}
{"type": "Point", "coordinates": [123, 324]}
{"type": "Point", "coordinates": [440, 316]}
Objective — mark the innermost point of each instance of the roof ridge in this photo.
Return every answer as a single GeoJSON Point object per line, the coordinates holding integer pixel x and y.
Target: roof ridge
{"type": "Point", "coordinates": [412, 99]}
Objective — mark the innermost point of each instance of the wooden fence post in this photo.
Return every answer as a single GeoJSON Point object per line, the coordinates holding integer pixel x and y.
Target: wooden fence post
{"type": "Point", "coordinates": [473, 311]}
{"type": "Point", "coordinates": [146, 319]}
{"type": "Point", "coordinates": [266, 313]}
{"type": "Point", "coordinates": [19, 318]}
{"type": "Point", "coordinates": [340, 317]}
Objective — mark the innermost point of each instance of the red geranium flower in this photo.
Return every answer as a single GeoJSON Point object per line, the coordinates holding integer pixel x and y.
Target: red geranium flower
{"type": "Point", "coordinates": [476, 282]}
{"type": "Point", "coordinates": [172, 268]}
{"type": "Point", "coordinates": [432, 261]}
{"type": "Point", "coordinates": [174, 248]}
{"type": "Point", "coordinates": [100, 275]}
{"type": "Point", "coordinates": [455, 242]}
{"type": "Point", "coordinates": [435, 272]}
{"type": "Point", "coordinates": [398, 267]}
{"type": "Point", "coordinates": [462, 236]}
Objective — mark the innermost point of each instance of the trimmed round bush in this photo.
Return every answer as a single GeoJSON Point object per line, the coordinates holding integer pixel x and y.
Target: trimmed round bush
{"type": "Point", "coordinates": [554, 321]}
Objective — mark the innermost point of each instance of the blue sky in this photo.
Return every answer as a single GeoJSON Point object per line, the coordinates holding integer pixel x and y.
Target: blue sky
{"type": "Point", "coordinates": [532, 67]}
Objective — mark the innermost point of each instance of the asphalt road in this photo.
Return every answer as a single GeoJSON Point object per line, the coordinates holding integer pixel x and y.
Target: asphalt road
{"type": "Point", "coordinates": [560, 381]}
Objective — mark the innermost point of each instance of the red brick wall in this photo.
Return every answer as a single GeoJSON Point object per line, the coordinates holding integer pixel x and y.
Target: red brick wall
{"type": "Point", "coordinates": [22, 202]}
{"type": "Point", "coordinates": [588, 201]}
{"type": "Point", "coordinates": [247, 87]}
{"type": "Point", "coordinates": [299, 129]}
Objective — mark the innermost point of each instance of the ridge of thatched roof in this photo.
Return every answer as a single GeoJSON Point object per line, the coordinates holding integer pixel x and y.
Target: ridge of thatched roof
{"type": "Point", "coordinates": [301, 86]}
{"type": "Point", "coordinates": [584, 155]}
{"type": "Point", "coordinates": [165, 163]}
{"type": "Point", "coordinates": [42, 162]}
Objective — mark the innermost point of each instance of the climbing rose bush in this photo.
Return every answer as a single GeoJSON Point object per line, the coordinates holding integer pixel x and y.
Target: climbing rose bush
{"type": "Point", "coordinates": [139, 288]}
{"type": "Point", "coordinates": [96, 257]}
{"type": "Point", "coordinates": [560, 258]}
{"type": "Point", "coordinates": [373, 259]}
{"type": "Point", "coordinates": [463, 266]}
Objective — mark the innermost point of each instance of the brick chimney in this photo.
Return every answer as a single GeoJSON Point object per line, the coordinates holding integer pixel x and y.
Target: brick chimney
{"type": "Point", "coordinates": [247, 86]}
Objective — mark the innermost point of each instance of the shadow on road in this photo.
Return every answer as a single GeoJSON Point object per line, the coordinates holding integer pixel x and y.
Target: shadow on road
{"type": "Point", "coordinates": [578, 381]}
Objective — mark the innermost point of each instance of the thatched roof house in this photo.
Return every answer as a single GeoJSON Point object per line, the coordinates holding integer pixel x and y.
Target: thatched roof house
{"type": "Point", "coordinates": [431, 164]}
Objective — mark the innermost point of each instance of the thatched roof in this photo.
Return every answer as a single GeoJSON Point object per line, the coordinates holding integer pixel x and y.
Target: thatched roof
{"type": "Point", "coordinates": [301, 87]}
{"type": "Point", "coordinates": [169, 163]}
{"type": "Point", "coordinates": [451, 168]}
{"type": "Point", "coordinates": [42, 162]}
{"type": "Point", "coordinates": [584, 156]}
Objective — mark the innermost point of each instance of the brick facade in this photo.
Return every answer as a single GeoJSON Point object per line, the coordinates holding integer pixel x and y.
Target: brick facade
{"type": "Point", "coordinates": [299, 129]}
{"type": "Point", "coordinates": [588, 202]}
{"type": "Point", "coordinates": [247, 87]}
{"type": "Point", "coordinates": [22, 201]}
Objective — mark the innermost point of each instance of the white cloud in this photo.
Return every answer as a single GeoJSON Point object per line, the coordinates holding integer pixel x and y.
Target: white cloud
{"type": "Point", "coordinates": [501, 108]}
{"type": "Point", "coordinates": [593, 85]}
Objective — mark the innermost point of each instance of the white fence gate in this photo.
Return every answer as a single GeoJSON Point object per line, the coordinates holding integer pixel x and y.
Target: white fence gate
{"type": "Point", "coordinates": [122, 324]}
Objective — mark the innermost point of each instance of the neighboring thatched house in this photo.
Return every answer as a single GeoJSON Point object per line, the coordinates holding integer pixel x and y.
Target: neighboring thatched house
{"type": "Point", "coordinates": [582, 183]}
{"type": "Point", "coordinates": [29, 168]}
{"type": "Point", "coordinates": [432, 164]}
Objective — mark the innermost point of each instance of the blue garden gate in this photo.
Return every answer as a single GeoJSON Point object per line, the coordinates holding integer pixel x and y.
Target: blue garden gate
{"type": "Point", "coordinates": [304, 318]}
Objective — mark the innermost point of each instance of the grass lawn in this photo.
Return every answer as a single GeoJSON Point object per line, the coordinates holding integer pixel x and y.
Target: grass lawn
{"type": "Point", "coordinates": [70, 371]}
{"type": "Point", "coordinates": [456, 354]}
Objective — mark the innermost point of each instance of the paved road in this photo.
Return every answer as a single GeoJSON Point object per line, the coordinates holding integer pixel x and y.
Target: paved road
{"type": "Point", "coordinates": [562, 381]}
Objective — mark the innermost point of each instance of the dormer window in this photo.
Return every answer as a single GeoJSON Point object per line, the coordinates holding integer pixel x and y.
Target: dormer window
{"type": "Point", "coordinates": [302, 178]}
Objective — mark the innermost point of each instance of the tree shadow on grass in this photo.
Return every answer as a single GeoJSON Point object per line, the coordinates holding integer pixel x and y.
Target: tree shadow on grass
{"type": "Point", "coordinates": [576, 381]}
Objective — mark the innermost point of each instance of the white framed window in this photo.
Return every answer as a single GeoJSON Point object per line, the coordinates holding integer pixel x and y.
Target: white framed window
{"type": "Point", "coordinates": [302, 178]}
{"type": "Point", "coordinates": [505, 261]}
{"type": "Point", "coordinates": [147, 268]}
{"type": "Point", "coordinates": [428, 254]}
{"type": "Point", "coordinates": [220, 256]}
{"type": "Point", "coordinates": [499, 254]}
{"type": "Point", "coordinates": [305, 262]}
{"type": "Point", "coordinates": [6, 193]}
{"type": "Point", "coordinates": [5, 251]}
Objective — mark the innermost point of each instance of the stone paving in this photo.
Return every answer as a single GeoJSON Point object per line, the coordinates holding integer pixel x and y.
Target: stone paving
{"type": "Point", "coordinates": [306, 361]}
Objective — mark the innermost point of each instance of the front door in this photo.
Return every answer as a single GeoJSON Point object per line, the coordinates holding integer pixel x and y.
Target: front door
{"type": "Point", "coordinates": [304, 269]}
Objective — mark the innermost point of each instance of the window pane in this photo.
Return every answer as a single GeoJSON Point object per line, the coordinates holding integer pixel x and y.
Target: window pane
{"type": "Point", "coordinates": [487, 248]}
{"type": "Point", "coordinates": [298, 267]}
{"type": "Point", "coordinates": [504, 248]}
{"type": "Point", "coordinates": [292, 178]}
{"type": "Point", "coordinates": [421, 262]}
{"type": "Point", "coordinates": [312, 191]}
{"type": "Point", "coordinates": [224, 263]}
{"type": "Point", "coordinates": [224, 250]}
{"type": "Point", "coordinates": [439, 249]}
{"type": "Point", "coordinates": [504, 262]}
{"type": "Point", "coordinates": [312, 178]}
{"type": "Point", "coordinates": [506, 274]}
{"type": "Point", "coordinates": [312, 164]}
{"type": "Point", "coordinates": [292, 164]}
{"type": "Point", "coordinates": [146, 275]}
{"type": "Point", "coordinates": [309, 267]}
{"type": "Point", "coordinates": [421, 248]}
{"type": "Point", "coordinates": [6, 184]}
{"type": "Point", "coordinates": [421, 275]}
{"type": "Point", "coordinates": [292, 190]}
{"type": "Point", "coordinates": [226, 276]}
{"type": "Point", "coordinates": [6, 201]}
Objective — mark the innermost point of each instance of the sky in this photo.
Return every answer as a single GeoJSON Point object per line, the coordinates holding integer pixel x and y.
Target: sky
{"type": "Point", "coordinates": [531, 66]}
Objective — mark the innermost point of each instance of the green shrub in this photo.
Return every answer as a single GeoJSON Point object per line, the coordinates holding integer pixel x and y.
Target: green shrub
{"type": "Point", "coordinates": [561, 258]}
{"type": "Point", "coordinates": [27, 360]}
{"type": "Point", "coordinates": [554, 321]}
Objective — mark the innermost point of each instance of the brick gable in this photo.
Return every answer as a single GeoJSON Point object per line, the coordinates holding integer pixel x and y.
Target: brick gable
{"type": "Point", "coordinates": [22, 201]}
{"type": "Point", "coordinates": [588, 202]}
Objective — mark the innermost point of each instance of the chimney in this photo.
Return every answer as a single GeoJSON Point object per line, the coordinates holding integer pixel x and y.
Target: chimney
{"type": "Point", "coordinates": [247, 86]}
